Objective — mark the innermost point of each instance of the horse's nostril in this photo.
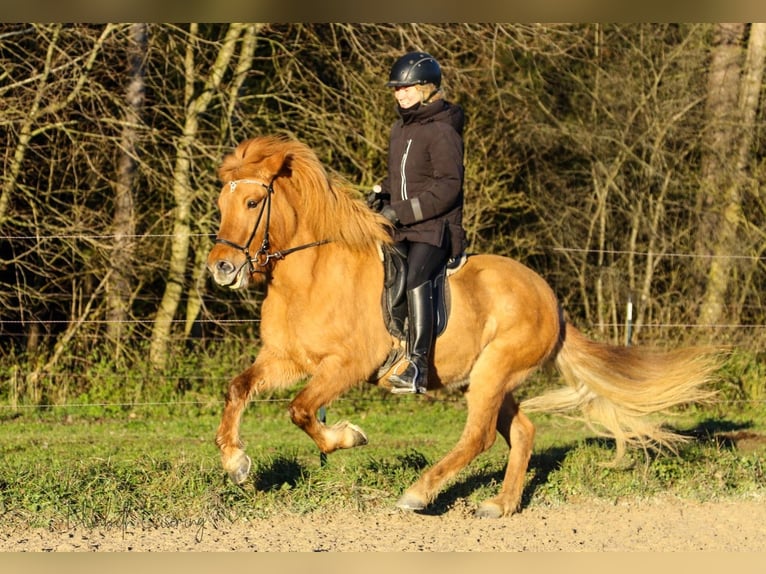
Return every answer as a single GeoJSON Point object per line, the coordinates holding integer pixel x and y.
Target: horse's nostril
{"type": "Point", "coordinates": [224, 267]}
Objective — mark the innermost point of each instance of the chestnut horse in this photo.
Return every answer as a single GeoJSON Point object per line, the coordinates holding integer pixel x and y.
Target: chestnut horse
{"type": "Point", "coordinates": [286, 222]}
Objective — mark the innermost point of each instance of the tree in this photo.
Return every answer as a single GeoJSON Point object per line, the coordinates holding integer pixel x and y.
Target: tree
{"type": "Point", "coordinates": [734, 88]}
{"type": "Point", "coordinates": [609, 140]}
{"type": "Point", "coordinates": [197, 103]}
{"type": "Point", "coordinates": [118, 289]}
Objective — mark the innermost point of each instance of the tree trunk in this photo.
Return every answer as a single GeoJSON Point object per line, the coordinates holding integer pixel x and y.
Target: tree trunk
{"type": "Point", "coordinates": [203, 244]}
{"type": "Point", "coordinates": [182, 192]}
{"type": "Point", "coordinates": [124, 222]}
{"type": "Point", "coordinates": [733, 96]}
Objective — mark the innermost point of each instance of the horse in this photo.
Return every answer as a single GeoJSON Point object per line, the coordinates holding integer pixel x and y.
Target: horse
{"type": "Point", "coordinates": [286, 222]}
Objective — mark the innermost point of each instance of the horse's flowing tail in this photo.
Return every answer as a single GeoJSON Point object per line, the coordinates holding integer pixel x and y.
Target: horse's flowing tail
{"type": "Point", "coordinates": [617, 388]}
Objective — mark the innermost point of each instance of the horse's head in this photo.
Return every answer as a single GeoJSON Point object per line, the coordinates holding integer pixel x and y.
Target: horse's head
{"type": "Point", "coordinates": [276, 199]}
{"type": "Point", "coordinates": [249, 175]}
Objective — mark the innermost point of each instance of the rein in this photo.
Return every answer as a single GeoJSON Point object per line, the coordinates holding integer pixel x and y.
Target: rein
{"type": "Point", "coordinates": [263, 256]}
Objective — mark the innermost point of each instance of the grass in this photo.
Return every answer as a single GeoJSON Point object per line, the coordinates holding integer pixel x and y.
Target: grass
{"type": "Point", "coordinates": [157, 464]}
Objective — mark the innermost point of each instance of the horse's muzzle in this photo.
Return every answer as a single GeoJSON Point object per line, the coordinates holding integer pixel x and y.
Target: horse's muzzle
{"type": "Point", "coordinates": [224, 268]}
{"type": "Point", "coordinates": [227, 274]}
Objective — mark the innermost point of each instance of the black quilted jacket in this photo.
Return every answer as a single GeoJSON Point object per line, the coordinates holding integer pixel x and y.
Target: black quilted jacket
{"type": "Point", "coordinates": [425, 174]}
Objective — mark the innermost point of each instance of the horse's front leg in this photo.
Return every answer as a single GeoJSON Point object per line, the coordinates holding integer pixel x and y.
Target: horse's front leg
{"type": "Point", "coordinates": [265, 373]}
{"type": "Point", "coordinates": [333, 378]}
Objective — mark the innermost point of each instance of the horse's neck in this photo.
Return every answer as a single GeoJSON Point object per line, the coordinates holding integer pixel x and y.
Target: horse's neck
{"type": "Point", "coordinates": [321, 265]}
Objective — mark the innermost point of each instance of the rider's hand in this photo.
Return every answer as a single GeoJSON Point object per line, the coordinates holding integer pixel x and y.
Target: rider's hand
{"type": "Point", "coordinates": [389, 213]}
{"type": "Point", "coordinates": [376, 199]}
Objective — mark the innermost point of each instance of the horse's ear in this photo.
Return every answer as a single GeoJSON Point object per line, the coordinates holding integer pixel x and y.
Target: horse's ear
{"type": "Point", "coordinates": [286, 169]}
{"type": "Point", "coordinates": [280, 164]}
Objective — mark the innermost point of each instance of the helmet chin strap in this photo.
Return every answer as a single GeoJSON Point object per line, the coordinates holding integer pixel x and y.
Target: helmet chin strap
{"type": "Point", "coordinates": [431, 95]}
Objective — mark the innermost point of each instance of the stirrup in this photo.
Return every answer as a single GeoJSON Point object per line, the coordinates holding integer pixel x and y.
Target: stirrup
{"type": "Point", "coordinates": [412, 390]}
{"type": "Point", "coordinates": [400, 385]}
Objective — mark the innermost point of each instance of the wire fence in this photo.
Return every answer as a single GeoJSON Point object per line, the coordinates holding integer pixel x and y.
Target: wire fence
{"type": "Point", "coordinates": [206, 319]}
{"type": "Point", "coordinates": [256, 400]}
{"type": "Point", "coordinates": [589, 251]}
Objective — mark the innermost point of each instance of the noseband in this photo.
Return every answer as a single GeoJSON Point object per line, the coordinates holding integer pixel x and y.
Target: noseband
{"type": "Point", "coordinates": [262, 256]}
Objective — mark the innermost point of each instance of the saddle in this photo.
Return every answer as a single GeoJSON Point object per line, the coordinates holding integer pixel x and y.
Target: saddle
{"type": "Point", "coordinates": [394, 293]}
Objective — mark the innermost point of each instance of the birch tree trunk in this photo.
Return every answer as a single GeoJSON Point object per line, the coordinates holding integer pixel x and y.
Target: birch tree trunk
{"type": "Point", "coordinates": [118, 291]}
{"type": "Point", "coordinates": [203, 244]}
{"type": "Point", "coordinates": [733, 99]}
{"type": "Point", "coordinates": [182, 192]}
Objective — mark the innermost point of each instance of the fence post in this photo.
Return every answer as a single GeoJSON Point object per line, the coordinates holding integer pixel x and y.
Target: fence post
{"type": "Point", "coordinates": [322, 419]}
{"type": "Point", "coordinates": [629, 322]}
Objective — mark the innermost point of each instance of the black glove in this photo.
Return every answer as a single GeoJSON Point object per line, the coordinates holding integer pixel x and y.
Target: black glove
{"type": "Point", "coordinates": [376, 200]}
{"type": "Point", "coordinates": [389, 213]}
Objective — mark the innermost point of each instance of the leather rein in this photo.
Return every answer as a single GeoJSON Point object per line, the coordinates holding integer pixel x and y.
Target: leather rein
{"type": "Point", "coordinates": [263, 255]}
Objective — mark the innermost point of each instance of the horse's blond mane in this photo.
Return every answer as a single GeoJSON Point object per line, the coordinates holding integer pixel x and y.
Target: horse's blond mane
{"type": "Point", "coordinates": [324, 202]}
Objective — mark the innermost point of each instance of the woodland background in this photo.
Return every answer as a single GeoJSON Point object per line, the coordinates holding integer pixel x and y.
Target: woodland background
{"type": "Point", "coordinates": [623, 162]}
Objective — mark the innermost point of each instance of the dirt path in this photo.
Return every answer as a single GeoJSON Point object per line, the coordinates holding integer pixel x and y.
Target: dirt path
{"type": "Point", "coordinates": [654, 526]}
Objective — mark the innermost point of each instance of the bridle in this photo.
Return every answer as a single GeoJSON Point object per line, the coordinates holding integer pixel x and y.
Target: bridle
{"type": "Point", "coordinates": [262, 257]}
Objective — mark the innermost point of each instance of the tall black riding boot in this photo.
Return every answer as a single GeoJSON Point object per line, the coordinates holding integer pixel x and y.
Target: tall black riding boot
{"type": "Point", "coordinates": [399, 318]}
{"type": "Point", "coordinates": [420, 333]}
{"type": "Point", "coordinates": [394, 290]}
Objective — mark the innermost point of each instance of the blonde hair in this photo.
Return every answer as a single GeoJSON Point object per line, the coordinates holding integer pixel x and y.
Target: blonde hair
{"type": "Point", "coordinates": [429, 93]}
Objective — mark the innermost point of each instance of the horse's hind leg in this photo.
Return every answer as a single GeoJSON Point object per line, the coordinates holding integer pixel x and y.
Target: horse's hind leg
{"type": "Point", "coordinates": [478, 435]}
{"type": "Point", "coordinates": [519, 432]}
{"type": "Point", "coordinates": [490, 407]}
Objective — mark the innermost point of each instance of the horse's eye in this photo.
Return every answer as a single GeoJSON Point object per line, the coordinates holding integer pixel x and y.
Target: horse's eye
{"type": "Point", "coordinates": [251, 203]}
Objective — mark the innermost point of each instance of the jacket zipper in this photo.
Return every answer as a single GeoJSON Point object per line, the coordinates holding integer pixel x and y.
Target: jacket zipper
{"type": "Point", "coordinates": [403, 190]}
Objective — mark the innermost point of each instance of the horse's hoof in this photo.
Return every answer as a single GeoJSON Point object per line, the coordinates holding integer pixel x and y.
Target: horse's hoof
{"type": "Point", "coordinates": [410, 502]}
{"type": "Point", "coordinates": [347, 435]}
{"type": "Point", "coordinates": [360, 439]}
{"type": "Point", "coordinates": [239, 475]}
{"type": "Point", "coordinates": [489, 510]}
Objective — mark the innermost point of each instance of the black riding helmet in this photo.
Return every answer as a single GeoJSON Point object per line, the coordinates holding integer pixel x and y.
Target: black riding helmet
{"type": "Point", "coordinates": [415, 68]}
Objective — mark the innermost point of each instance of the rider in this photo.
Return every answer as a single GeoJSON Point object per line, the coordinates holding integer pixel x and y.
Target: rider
{"type": "Point", "coordinates": [422, 195]}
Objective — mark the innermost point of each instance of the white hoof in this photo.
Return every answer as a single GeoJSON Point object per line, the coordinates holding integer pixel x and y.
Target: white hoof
{"type": "Point", "coordinates": [239, 474]}
{"type": "Point", "coordinates": [489, 510]}
{"type": "Point", "coordinates": [410, 502]}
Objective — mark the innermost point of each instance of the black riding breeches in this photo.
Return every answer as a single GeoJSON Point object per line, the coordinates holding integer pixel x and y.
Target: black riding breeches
{"type": "Point", "coordinates": [424, 261]}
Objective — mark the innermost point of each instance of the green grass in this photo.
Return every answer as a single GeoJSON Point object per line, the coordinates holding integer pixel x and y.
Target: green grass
{"type": "Point", "coordinates": [157, 465]}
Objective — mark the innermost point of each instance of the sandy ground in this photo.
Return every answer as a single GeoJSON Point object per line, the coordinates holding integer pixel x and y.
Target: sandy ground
{"type": "Point", "coordinates": [642, 526]}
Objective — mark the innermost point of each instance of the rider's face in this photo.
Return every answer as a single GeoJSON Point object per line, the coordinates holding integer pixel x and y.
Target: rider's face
{"type": "Point", "coordinates": [407, 96]}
